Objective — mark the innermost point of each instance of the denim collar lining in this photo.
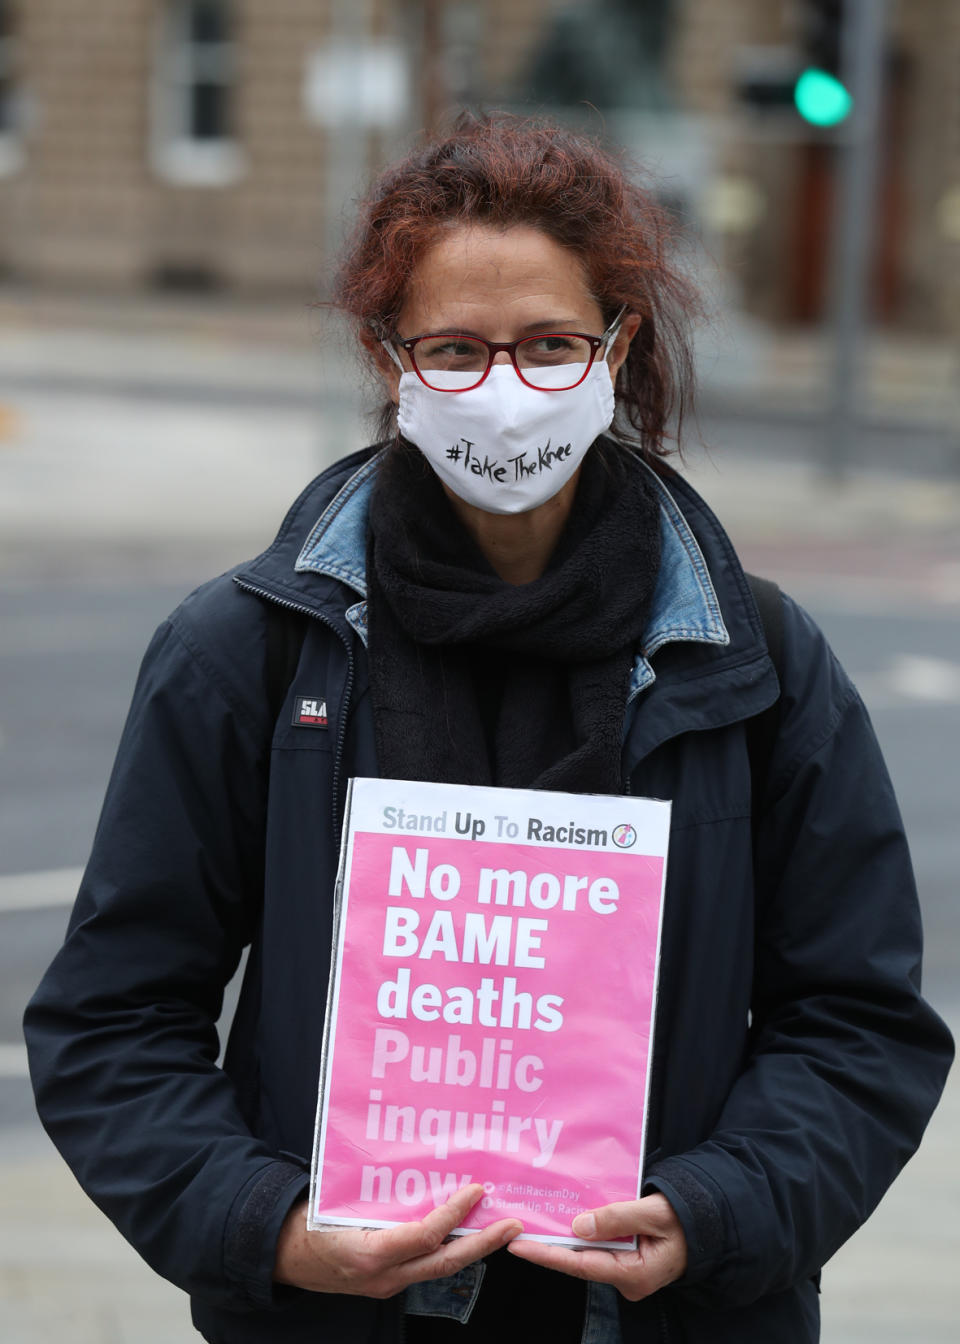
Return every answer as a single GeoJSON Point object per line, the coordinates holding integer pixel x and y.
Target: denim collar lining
{"type": "Point", "coordinates": [684, 607]}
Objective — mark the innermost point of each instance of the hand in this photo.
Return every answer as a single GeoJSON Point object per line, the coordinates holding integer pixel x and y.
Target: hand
{"type": "Point", "coordinates": [660, 1257]}
{"type": "Point", "coordinates": [382, 1262]}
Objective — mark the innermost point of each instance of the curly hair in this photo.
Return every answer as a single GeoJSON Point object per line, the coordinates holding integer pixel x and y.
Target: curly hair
{"type": "Point", "coordinates": [502, 170]}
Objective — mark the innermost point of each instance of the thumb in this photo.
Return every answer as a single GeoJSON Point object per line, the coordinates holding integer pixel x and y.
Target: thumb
{"type": "Point", "coordinates": [651, 1216]}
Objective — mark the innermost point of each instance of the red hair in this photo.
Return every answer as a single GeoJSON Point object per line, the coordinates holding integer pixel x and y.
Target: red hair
{"type": "Point", "coordinates": [502, 170]}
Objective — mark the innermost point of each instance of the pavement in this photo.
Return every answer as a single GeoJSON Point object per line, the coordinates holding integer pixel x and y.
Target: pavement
{"type": "Point", "coordinates": [165, 440]}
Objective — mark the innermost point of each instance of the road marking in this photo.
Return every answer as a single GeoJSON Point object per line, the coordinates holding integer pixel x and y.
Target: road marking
{"type": "Point", "coordinates": [38, 891]}
{"type": "Point", "coordinates": [909, 680]}
{"type": "Point", "coordinates": [13, 1061]}
{"type": "Point", "coordinates": [934, 680]}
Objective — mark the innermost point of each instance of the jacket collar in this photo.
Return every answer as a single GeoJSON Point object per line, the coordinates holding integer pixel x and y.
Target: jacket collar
{"type": "Point", "coordinates": [684, 607]}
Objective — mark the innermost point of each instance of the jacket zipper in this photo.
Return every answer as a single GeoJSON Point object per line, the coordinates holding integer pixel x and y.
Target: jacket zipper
{"type": "Point", "coordinates": [348, 692]}
{"type": "Point", "coordinates": [341, 740]}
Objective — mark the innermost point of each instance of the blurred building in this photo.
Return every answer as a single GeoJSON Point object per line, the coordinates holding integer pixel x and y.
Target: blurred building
{"type": "Point", "coordinates": [772, 201]}
{"type": "Point", "coordinates": [219, 143]}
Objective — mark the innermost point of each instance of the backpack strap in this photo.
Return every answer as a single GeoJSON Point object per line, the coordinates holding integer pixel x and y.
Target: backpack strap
{"type": "Point", "coordinates": [762, 729]}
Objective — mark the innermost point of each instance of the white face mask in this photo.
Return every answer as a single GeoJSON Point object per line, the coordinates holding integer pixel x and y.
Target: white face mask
{"type": "Point", "coordinates": [505, 447]}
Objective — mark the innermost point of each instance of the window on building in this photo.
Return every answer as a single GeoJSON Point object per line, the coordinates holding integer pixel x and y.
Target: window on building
{"type": "Point", "coordinates": [11, 155]}
{"type": "Point", "coordinates": [604, 53]}
{"type": "Point", "coordinates": [195, 132]}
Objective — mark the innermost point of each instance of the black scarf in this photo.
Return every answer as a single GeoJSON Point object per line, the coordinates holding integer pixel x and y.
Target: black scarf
{"type": "Point", "coordinates": [478, 681]}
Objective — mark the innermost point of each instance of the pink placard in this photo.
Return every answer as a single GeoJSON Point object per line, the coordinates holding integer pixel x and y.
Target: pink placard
{"type": "Point", "coordinates": [491, 1009]}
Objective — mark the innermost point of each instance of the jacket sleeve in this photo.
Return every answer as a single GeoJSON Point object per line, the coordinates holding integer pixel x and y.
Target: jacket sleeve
{"type": "Point", "coordinates": [122, 1030]}
{"type": "Point", "coordinates": [846, 1060]}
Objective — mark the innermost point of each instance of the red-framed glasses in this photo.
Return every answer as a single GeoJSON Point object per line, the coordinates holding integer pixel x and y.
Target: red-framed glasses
{"type": "Point", "coordinates": [452, 362]}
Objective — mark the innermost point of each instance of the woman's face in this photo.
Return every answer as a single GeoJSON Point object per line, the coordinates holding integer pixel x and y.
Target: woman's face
{"type": "Point", "coordinates": [501, 284]}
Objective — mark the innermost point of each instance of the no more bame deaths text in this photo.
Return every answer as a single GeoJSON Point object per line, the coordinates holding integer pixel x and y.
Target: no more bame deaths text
{"type": "Point", "coordinates": [501, 940]}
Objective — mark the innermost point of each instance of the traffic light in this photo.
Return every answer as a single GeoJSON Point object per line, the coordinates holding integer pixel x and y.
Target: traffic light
{"type": "Point", "coordinates": [821, 98]}
{"type": "Point", "coordinates": [819, 94]}
{"type": "Point", "coordinates": [804, 76]}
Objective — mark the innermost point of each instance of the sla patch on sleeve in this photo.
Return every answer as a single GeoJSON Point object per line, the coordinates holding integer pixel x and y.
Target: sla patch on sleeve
{"type": "Point", "coordinates": [310, 711]}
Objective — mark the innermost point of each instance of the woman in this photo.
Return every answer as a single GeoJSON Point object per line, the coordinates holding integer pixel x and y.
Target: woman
{"type": "Point", "coordinates": [503, 593]}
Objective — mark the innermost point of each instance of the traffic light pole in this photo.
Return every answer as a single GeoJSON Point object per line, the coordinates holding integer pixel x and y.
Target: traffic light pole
{"type": "Point", "coordinates": [853, 231]}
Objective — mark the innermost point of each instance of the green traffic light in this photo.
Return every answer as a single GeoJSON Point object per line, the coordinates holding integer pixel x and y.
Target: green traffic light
{"type": "Point", "coordinates": [821, 99]}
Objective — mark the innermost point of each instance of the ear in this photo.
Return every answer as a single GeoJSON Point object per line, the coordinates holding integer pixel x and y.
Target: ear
{"type": "Point", "coordinates": [391, 381]}
{"type": "Point", "coordinates": [389, 372]}
{"type": "Point", "coordinates": [618, 351]}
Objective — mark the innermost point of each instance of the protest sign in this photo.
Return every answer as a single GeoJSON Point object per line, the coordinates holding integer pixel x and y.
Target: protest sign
{"type": "Point", "coordinates": [491, 1004]}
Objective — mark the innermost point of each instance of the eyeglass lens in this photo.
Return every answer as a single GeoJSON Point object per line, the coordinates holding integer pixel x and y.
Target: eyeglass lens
{"type": "Point", "coordinates": [463, 360]}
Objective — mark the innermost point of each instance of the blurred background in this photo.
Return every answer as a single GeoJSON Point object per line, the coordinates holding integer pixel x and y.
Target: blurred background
{"type": "Point", "coordinates": [176, 177]}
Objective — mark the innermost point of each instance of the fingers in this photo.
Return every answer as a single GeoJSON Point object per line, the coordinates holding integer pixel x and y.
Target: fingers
{"type": "Point", "coordinates": [433, 1257]}
{"type": "Point", "coordinates": [462, 1251]}
{"type": "Point", "coordinates": [626, 1271]}
{"type": "Point", "coordinates": [661, 1256]}
{"type": "Point", "coordinates": [651, 1216]}
{"type": "Point", "coordinates": [598, 1266]}
{"type": "Point", "coordinates": [419, 1251]}
{"type": "Point", "coordinates": [380, 1263]}
{"type": "Point", "coordinates": [412, 1240]}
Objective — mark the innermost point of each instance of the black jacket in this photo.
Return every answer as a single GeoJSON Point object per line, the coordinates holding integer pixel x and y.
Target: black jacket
{"type": "Point", "coordinates": [795, 1063]}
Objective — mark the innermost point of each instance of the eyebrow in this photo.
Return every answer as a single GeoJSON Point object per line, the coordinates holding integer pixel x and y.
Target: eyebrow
{"type": "Point", "coordinates": [559, 324]}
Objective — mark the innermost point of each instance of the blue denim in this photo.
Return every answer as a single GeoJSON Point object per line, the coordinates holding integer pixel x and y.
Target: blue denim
{"type": "Point", "coordinates": [684, 607]}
